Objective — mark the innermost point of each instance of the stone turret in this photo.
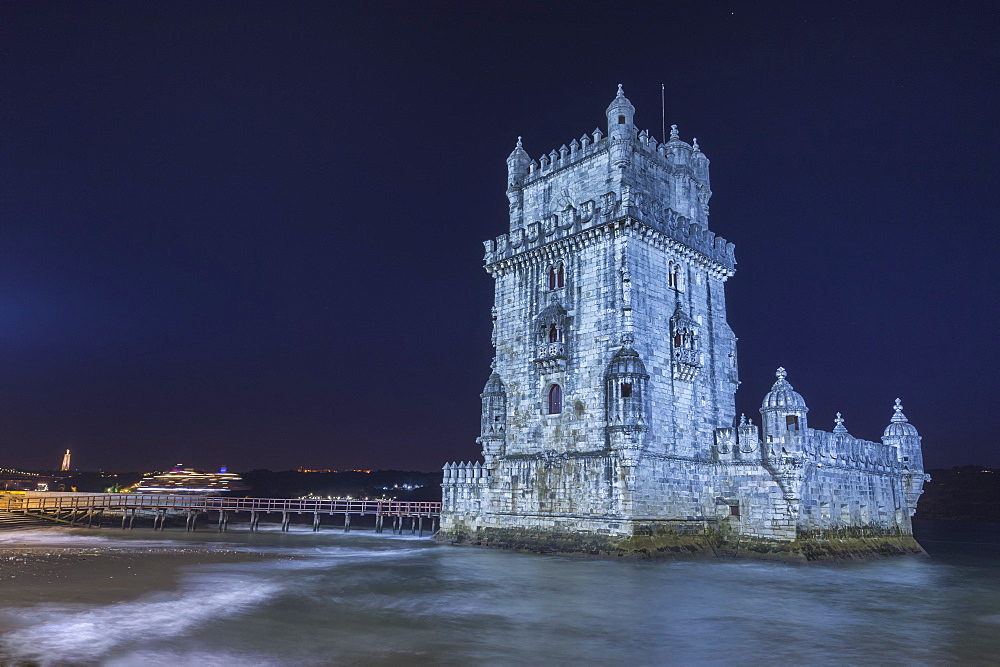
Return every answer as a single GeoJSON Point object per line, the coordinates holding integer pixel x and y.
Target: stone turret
{"type": "Point", "coordinates": [517, 170]}
{"type": "Point", "coordinates": [621, 129]}
{"type": "Point", "coordinates": [903, 436]}
{"type": "Point", "coordinates": [783, 413]}
{"type": "Point", "coordinates": [493, 432]}
{"type": "Point", "coordinates": [625, 397]}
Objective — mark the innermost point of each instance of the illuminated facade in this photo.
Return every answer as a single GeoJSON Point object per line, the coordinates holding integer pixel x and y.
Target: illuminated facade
{"type": "Point", "coordinates": [609, 421]}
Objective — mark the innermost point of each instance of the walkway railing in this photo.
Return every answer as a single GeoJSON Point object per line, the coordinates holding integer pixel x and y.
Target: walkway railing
{"type": "Point", "coordinates": [66, 508]}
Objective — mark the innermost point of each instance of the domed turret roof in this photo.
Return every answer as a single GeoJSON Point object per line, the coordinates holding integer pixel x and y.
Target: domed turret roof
{"type": "Point", "coordinates": [900, 425]}
{"type": "Point", "coordinates": [782, 396]}
{"type": "Point", "coordinates": [519, 154]}
{"type": "Point", "coordinates": [626, 362]}
{"type": "Point", "coordinates": [494, 385]}
{"type": "Point", "coordinates": [620, 102]}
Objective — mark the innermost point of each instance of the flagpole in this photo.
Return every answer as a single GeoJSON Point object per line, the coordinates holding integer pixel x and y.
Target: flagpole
{"type": "Point", "coordinates": [663, 112]}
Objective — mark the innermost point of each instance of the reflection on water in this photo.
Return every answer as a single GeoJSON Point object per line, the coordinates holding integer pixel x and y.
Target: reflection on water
{"type": "Point", "coordinates": [372, 599]}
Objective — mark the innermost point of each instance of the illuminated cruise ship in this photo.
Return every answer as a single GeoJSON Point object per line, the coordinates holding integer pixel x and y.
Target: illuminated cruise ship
{"type": "Point", "coordinates": [187, 480]}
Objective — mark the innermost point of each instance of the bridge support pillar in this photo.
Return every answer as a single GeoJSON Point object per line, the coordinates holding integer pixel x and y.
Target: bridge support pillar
{"type": "Point", "coordinates": [284, 521]}
{"type": "Point", "coordinates": [347, 522]}
{"type": "Point", "coordinates": [421, 526]}
{"type": "Point", "coordinates": [378, 523]}
{"type": "Point", "coordinates": [315, 522]}
{"type": "Point", "coordinates": [223, 521]}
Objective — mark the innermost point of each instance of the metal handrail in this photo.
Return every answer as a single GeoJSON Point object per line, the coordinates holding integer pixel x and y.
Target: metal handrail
{"type": "Point", "coordinates": [215, 503]}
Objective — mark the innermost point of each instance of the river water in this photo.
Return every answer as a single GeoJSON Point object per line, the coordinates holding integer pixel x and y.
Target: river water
{"type": "Point", "coordinates": [359, 598]}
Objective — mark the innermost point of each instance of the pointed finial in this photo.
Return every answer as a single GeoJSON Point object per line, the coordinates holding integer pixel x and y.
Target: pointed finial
{"type": "Point", "coordinates": [621, 93]}
{"type": "Point", "coordinates": [519, 143]}
{"type": "Point", "coordinates": [674, 134]}
{"type": "Point", "coordinates": [898, 416]}
{"type": "Point", "coordinates": [780, 373]}
{"type": "Point", "coordinates": [839, 428]}
{"type": "Point", "coordinates": [743, 419]}
{"type": "Point", "coordinates": [694, 144]}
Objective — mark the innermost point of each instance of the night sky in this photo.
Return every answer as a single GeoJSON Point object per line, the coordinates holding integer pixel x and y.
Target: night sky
{"type": "Point", "coordinates": [251, 234]}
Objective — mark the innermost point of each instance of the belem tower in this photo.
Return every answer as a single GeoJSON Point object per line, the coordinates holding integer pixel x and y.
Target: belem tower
{"type": "Point", "coordinates": [609, 422]}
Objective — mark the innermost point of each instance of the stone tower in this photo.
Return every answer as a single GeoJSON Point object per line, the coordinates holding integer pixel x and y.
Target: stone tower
{"type": "Point", "coordinates": [610, 413]}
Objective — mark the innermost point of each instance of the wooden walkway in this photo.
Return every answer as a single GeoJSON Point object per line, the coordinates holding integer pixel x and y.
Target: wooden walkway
{"type": "Point", "coordinates": [87, 509]}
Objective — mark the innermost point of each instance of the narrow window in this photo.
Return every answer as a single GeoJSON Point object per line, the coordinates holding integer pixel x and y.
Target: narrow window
{"type": "Point", "coordinates": [671, 278]}
{"type": "Point", "coordinates": [792, 423]}
{"type": "Point", "coordinates": [555, 400]}
{"type": "Point", "coordinates": [553, 334]}
{"type": "Point", "coordinates": [677, 339]}
{"type": "Point", "coordinates": [621, 120]}
{"type": "Point", "coordinates": [626, 390]}
{"type": "Point", "coordinates": [734, 510]}
{"type": "Point", "coordinates": [560, 276]}
{"type": "Point", "coordinates": [552, 278]}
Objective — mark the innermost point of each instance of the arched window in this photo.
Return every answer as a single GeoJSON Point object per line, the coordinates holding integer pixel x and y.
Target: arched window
{"type": "Point", "coordinates": [677, 339]}
{"type": "Point", "coordinates": [671, 276]}
{"type": "Point", "coordinates": [553, 334]}
{"type": "Point", "coordinates": [555, 399]}
{"type": "Point", "coordinates": [560, 276]}
{"type": "Point", "coordinates": [552, 277]}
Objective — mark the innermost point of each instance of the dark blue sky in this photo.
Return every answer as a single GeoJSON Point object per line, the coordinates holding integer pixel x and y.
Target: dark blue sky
{"type": "Point", "coordinates": [250, 234]}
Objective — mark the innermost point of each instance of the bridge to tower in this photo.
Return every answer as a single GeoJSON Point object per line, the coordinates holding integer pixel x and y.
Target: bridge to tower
{"type": "Point", "coordinates": [93, 509]}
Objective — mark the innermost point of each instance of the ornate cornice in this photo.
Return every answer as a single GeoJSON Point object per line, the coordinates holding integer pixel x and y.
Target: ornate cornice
{"type": "Point", "coordinates": [627, 226]}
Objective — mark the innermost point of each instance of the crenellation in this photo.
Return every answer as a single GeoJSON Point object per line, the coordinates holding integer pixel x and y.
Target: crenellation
{"type": "Point", "coordinates": [609, 420]}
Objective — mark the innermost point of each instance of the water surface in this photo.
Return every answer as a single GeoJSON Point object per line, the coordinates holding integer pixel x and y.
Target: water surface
{"type": "Point", "coordinates": [335, 598]}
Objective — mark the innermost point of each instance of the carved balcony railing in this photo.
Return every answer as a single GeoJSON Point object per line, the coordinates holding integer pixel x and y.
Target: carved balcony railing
{"type": "Point", "coordinates": [551, 357]}
{"type": "Point", "coordinates": [686, 363]}
{"type": "Point", "coordinates": [551, 351]}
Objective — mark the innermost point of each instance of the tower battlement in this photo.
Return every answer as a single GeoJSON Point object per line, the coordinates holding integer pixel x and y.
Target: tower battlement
{"type": "Point", "coordinates": [675, 155]}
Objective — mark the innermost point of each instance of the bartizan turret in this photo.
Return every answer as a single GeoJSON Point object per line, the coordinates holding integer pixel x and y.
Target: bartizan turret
{"type": "Point", "coordinates": [783, 416]}
{"type": "Point", "coordinates": [627, 413]}
{"type": "Point", "coordinates": [621, 129]}
{"type": "Point", "coordinates": [493, 432]}
{"type": "Point", "coordinates": [783, 413]}
{"type": "Point", "coordinates": [903, 436]}
{"type": "Point", "coordinates": [517, 170]}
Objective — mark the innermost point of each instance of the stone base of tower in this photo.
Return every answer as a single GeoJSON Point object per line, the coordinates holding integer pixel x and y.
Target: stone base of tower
{"type": "Point", "coordinates": [667, 539]}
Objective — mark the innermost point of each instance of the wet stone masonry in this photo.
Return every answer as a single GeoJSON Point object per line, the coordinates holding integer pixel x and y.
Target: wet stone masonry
{"type": "Point", "coordinates": [609, 423]}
